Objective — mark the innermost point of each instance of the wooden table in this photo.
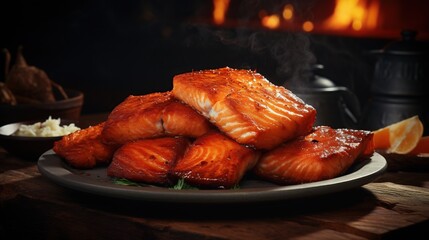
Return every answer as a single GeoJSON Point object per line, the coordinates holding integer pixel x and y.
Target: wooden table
{"type": "Point", "coordinates": [395, 206]}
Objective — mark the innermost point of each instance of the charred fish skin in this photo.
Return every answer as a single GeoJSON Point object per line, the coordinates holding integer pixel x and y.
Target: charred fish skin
{"type": "Point", "coordinates": [85, 149]}
{"type": "Point", "coordinates": [214, 161]}
{"type": "Point", "coordinates": [148, 160]}
{"type": "Point", "coordinates": [245, 105]}
{"type": "Point", "coordinates": [323, 154]}
{"type": "Point", "coordinates": [152, 115]}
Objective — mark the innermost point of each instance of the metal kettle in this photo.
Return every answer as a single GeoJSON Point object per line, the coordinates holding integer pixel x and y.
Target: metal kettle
{"type": "Point", "coordinates": [336, 106]}
{"type": "Point", "coordinates": [400, 87]}
{"type": "Point", "coordinates": [402, 67]}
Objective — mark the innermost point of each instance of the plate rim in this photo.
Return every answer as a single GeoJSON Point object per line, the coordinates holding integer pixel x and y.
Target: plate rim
{"type": "Point", "coordinates": [51, 166]}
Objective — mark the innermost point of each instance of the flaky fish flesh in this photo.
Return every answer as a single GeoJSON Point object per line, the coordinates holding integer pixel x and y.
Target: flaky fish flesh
{"type": "Point", "coordinates": [245, 105]}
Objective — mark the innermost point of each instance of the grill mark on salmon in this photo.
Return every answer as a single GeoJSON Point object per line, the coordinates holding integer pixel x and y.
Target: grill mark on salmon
{"type": "Point", "coordinates": [245, 105]}
{"type": "Point", "coordinates": [323, 154]}
{"type": "Point", "coordinates": [152, 115]}
{"type": "Point", "coordinates": [214, 161]}
{"type": "Point", "coordinates": [147, 160]}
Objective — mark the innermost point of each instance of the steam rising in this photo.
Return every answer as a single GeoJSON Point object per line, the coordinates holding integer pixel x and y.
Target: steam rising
{"type": "Point", "coordinates": [294, 57]}
{"type": "Point", "coordinates": [288, 52]}
{"type": "Point", "coordinates": [291, 51]}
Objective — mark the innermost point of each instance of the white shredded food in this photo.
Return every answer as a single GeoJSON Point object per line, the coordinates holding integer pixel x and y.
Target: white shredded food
{"type": "Point", "coordinates": [49, 128]}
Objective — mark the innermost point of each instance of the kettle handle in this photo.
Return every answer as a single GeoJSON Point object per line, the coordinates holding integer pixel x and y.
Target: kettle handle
{"type": "Point", "coordinates": [351, 106]}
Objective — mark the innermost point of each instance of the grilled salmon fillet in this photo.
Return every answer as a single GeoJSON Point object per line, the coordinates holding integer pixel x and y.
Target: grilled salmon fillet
{"type": "Point", "coordinates": [152, 115]}
{"type": "Point", "coordinates": [214, 161]}
{"type": "Point", "coordinates": [84, 148]}
{"type": "Point", "coordinates": [323, 154]}
{"type": "Point", "coordinates": [147, 160]}
{"type": "Point", "coordinates": [245, 105]}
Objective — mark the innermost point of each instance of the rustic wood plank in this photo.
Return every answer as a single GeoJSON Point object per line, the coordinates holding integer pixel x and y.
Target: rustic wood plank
{"type": "Point", "coordinates": [405, 199]}
{"type": "Point", "coordinates": [386, 208]}
{"type": "Point", "coordinates": [77, 220]}
{"type": "Point", "coordinates": [262, 229]}
{"type": "Point", "coordinates": [393, 207]}
{"type": "Point", "coordinates": [366, 220]}
{"type": "Point", "coordinates": [418, 179]}
{"type": "Point", "coordinates": [406, 162]}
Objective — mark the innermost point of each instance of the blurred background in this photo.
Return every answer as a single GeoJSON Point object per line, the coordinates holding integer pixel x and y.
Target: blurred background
{"type": "Point", "coordinates": [112, 49]}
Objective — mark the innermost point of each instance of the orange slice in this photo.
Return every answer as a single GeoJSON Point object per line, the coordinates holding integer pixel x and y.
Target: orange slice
{"type": "Point", "coordinates": [422, 147]}
{"type": "Point", "coordinates": [401, 137]}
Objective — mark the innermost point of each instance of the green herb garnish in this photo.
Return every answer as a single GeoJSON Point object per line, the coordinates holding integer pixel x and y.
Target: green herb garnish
{"type": "Point", "coordinates": [124, 181]}
{"type": "Point", "coordinates": [181, 184]}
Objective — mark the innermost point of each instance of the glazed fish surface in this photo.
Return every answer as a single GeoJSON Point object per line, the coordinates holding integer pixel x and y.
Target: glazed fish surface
{"type": "Point", "coordinates": [245, 105]}
{"type": "Point", "coordinates": [214, 161]}
{"type": "Point", "coordinates": [323, 154]}
{"type": "Point", "coordinates": [152, 115]}
{"type": "Point", "coordinates": [84, 149]}
{"type": "Point", "coordinates": [147, 160]}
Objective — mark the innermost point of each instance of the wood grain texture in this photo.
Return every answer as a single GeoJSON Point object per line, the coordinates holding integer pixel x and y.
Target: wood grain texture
{"type": "Point", "coordinates": [395, 206]}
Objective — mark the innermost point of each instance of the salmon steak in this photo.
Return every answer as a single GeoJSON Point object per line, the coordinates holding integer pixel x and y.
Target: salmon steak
{"type": "Point", "coordinates": [245, 105]}
{"type": "Point", "coordinates": [323, 154]}
{"type": "Point", "coordinates": [84, 149]}
{"type": "Point", "coordinates": [147, 160]}
{"type": "Point", "coordinates": [214, 161]}
{"type": "Point", "coordinates": [152, 115]}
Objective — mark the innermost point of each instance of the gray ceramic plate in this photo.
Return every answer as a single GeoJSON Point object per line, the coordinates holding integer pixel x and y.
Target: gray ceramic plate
{"type": "Point", "coordinates": [96, 181]}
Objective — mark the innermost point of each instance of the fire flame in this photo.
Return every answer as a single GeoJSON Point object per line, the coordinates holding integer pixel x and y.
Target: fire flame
{"type": "Point", "coordinates": [271, 21]}
{"type": "Point", "coordinates": [354, 14]}
{"type": "Point", "coordinates": [219, 11]}
{"type": "Point", "coordinates": [308, 26]}
{"type": "Point", "coordinates": [357, 15]}
{"type": "Point", "coordinates": [288, 12]}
